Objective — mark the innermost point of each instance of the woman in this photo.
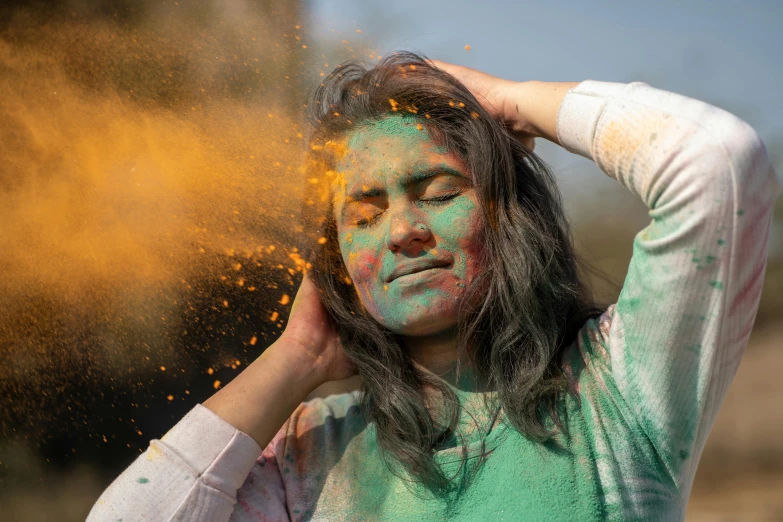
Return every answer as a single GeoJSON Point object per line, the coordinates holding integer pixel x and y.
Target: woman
{"type": "Point", "coordinates": [491, 388]}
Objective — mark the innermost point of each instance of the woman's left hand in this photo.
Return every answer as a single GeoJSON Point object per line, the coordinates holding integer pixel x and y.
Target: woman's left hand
{"type": "Point", "coordinates": [529, 109]}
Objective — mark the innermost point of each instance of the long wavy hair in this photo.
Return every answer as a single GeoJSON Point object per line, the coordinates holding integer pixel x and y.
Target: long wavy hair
{"type": "Point", "coordinates": [531, 294]}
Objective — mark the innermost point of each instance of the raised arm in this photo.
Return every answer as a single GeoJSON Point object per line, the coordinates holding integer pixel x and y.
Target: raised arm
{"type": "Point", "coordinates": [194, 472]}
{"type": "Point", "coordinates": [689, 301]}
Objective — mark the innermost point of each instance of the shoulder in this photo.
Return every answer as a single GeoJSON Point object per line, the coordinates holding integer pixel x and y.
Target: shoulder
{"type": "Point", "coordinates": [334, 419]}
{"type": "Point", "coordinates": [319, 427]}
{"type": "Point", "coordinates": [336, 406]}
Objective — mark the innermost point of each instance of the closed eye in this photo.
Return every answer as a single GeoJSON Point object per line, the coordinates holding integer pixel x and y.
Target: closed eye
{"type": "Point", "coordinates": [366, 222]}
{"type": "Point", "coordinates": [442, 198]}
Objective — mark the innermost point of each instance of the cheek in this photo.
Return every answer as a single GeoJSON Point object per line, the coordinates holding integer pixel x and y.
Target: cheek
{"type": "Point", "coordinates": [463, 236]}
{"type": "Point", "coordinates": [362, 266]}
{"type": "Point", "coordinates": [362, 260]}
{"type": "Point", "coordinates": [472, 249]}
{"type": "Point", "coordinates": [473, 240]}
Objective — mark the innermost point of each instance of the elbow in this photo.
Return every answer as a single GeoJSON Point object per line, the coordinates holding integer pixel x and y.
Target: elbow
{"type": "Point", "coordinates": [746, 145]}
{"type": "Point", "coordinates": [723, 168]}
{"type": "Point", "coordinates": [745, 150]}
{"type": "Point", "coordinates": [732, 147]}
{"type": "Point", "coordinates": [759, 183]}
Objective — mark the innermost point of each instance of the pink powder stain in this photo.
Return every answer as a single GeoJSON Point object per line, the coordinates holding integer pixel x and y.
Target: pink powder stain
{"type": "Point", "coordinates": [748, 296]}
{"type": "Point", "coordinates": [250, 509]}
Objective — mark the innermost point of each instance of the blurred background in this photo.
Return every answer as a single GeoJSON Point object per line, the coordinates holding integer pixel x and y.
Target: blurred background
{"type": "Point", "coordinates": [153, 205]}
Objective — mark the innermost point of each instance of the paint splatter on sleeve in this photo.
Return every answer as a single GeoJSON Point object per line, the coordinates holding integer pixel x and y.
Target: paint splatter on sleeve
{"type": "Point", "coordinates": [192, 473]}
{"type": "Point", "coordinates": [688, 303]}
{"type": "Point", "coordinates": [262, 496]}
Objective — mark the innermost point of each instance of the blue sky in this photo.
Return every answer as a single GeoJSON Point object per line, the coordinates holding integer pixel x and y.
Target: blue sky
{"type": "Point", "coordinates": [729, 53]}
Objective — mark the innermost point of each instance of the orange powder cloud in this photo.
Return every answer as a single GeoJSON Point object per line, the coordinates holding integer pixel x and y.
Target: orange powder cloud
{"type": "Point", "coordinates": [139, 168]}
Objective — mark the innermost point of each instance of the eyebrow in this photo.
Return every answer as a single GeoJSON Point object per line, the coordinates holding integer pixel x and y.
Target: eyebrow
{"type": "Point", "coordinates": [417, 176]}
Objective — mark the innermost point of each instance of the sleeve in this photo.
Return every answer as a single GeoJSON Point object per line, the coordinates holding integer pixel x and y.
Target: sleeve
{"type": "Point", "coordinates": [690, 297]}
{"type": "Point", "coordinates": [263, 496]}
{"type": "Point", "coordinates": [192, 473]}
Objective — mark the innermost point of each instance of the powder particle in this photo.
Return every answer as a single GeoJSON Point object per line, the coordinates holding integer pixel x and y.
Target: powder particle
{"type": "Point", "coordinates": [253, 340]}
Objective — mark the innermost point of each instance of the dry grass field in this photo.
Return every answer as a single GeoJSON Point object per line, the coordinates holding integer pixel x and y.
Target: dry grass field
{"type": "Point", "coordinates": [740, 477]}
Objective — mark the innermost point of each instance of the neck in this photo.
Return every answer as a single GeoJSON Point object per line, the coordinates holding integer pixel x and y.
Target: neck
{"type": "Point", "coordinates": [438, 353]}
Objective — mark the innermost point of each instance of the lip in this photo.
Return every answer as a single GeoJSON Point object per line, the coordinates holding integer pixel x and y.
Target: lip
{"type": "Point", "coordinates": [415, 266]}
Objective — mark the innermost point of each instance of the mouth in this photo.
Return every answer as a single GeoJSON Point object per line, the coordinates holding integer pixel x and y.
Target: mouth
{"type": "Point", "coordinates": [415, 267]}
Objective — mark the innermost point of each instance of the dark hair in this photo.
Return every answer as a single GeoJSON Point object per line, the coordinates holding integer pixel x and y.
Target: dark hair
{"type": "Point", "coordinates": [533, 299]}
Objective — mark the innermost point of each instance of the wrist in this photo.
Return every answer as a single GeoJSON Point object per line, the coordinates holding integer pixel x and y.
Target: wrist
{"type": "Point", "coordinates": [260, 399]}
{"type": "Point", "coordinates": [517, 97]}
{"type": "Point", "coordinates": [295, 356]}
{"type": "Point", "coordinates": [533, 107]}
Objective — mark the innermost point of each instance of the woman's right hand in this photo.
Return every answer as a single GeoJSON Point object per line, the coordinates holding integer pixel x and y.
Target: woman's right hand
{"type": "Point", "coordinates": [310, 332]}
{"type": "Point", "coordinates": [260, 399]}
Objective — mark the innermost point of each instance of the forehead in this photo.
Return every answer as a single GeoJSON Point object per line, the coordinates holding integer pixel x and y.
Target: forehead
{"type": "Point", "coordinates": [391, 150]}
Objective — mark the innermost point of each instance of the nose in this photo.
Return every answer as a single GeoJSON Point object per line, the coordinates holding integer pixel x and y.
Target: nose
{"type": "Point", "coordinates": [407, 232]}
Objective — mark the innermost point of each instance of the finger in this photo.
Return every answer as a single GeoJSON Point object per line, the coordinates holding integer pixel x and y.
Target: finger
{"type": "Point", "coordinates": [483, 86]}
{"type": "Point", "coordinates": [306, 287]}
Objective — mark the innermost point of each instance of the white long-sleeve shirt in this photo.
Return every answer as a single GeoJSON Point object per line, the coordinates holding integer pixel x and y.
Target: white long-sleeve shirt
{"type": "Point", "coordinates": [646, 379]}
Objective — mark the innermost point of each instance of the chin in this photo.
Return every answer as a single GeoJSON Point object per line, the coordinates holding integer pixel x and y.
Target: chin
{"type": "Point", "coordinates": [417, 324]}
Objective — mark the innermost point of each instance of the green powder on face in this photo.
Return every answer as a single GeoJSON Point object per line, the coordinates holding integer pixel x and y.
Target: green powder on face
{"type": "Point", "coordinates": [382, 154]}
{"type": "Point", "coordinates": [717, 285]}
{"type": "Point", "coordinates": [143, 480]}
{"type": "Point", "coordinates": [402, 126]}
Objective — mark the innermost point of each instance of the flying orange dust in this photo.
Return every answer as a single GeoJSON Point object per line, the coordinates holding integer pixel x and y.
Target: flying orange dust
{"type": "Point", "coordinates": [149, 174]}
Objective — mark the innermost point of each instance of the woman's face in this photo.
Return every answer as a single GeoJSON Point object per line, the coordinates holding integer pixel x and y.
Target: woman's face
{"type": "Point", "coordinates": [409, 225]}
